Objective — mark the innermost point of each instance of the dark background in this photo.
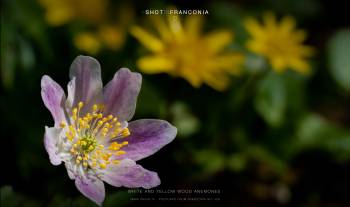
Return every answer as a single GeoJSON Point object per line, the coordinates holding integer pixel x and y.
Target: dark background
{"type": "Point", "coordinates": [228, 145]}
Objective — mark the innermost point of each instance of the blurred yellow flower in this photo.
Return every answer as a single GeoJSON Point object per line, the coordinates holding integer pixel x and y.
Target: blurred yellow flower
{"type": "Point", "coordinates": [87, 42]}
{"type": "Point", "coordinates": [106, 26]}
{"type": "Point", "coordinates": [109, 36]}
{"type": "Point", "coordinates": [280, 43]}
{"type": "Point", "coordinates": [112, 36]}
{"type": "Point", "coordinates": [59, 12]}
{"type": "Point", "coordinates": [181, 50]}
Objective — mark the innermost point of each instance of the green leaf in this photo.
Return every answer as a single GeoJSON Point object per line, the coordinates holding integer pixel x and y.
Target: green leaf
{"type": "Point", "coordinates": [339, 58]}
{"type": "Point", "coordinates": [264, 155]}
{"type": "Point", "coordinates": [211, 161]}
{"type": "Point", "coordinates": [186, 123]}
{"type": "Point", "coordinates": [8, 54]}
{"type": "Point", "coordinates": [26, 54]}
{"type": "Point", "coordinates": [270, 101]}
{"type": "Point", "coordinates": [237, 162]}
{"type": "Point", "coordinates": [315, 131]}
{"type": "Point", "coordinates": [8, 197]}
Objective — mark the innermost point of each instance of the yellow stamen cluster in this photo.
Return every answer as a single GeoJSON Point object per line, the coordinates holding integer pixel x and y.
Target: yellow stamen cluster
{"type": "Point", "coordinates": [86, 131]}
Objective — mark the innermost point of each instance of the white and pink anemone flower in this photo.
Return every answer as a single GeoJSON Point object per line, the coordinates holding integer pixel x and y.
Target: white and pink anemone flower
{"type": "Point", "coordinates": [92, 134]}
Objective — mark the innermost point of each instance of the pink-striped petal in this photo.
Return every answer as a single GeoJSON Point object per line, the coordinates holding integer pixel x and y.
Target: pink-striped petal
{"type": "Point", "coordinates": [54, 98]}
{"type": "Point", "coordinates": [131, 175]}
{"type": "Point", "coordinates": [147, 137]}
{"type": "Point", "coordinates": [120, 94]}
{"type": "Point", "coordinates": [86, 83]}
{"type": "Point", "coordinates": [93, 189]}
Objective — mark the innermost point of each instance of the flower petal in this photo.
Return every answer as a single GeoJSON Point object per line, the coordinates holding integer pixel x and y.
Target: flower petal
{"type": "Point", "coordinates": [85, 71]}
{"type": "Point", "coordinates": [120, 94]}
{"type": "Point", "coordinates": [50, 142]}
{"type": "Point", "coordinates": [93, 189]}
{"type": "Point", "coordinates": [287, 24]}
{"type": "Point", "coordinates": [161, 27]}
{"type": "Point", "coordinates": [192, 77]}
{"type": "Point", "coordinates": [147, 137]}
{"type": "Point", "coordinates": [253, 27]}
{"type": "Point", "coordinates": [71, 90]}
{"type": "Point", "coordinates": [218, 40]}
{"type": "Point", "coordinates": [70, 172]}
{"type": "Point", "coordinates": [155, 64]}
{"type": "Point", "coordinates": [193, 26]}
{"type": "Point", "coordinates": [131, 175]}
{"type": "Point", "coordinates": [147, 40]}
{"type": "Point", "coordinates": [230, 62]}
{"type": "Point", "coordinates": [176, 28]}
{"type": "Point", "coordinates": [54, 98]}
{"type": "Point", "coordinates": [218, 81]}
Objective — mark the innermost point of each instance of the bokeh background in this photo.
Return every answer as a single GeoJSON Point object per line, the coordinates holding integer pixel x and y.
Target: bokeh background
{"type": "Point", "coordinates": [269, 139]}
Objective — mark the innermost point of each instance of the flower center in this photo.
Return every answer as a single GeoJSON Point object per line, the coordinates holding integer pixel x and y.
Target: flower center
{"type": "Point", "coordinates": [93, 138]}
{"type": "Point", "coordinates": [88, 144]}
{"type": "Point", "coordinates": [188, 53]}
{"type": "Point", "coordinates": [280, 45]}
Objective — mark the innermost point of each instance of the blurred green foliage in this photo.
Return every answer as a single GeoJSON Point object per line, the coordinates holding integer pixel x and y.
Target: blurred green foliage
{"type": "Point", "coordinates": [271, 98]}
{"type": "Point", "coordinates": [339, 61]}
{"type": "Point", "coordinates": [316, 132]}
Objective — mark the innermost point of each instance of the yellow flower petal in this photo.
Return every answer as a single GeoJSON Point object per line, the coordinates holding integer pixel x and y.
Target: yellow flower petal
{"type": "Point", "coordinates": [155, 64]}
{"type": "Point", "coordinates": [270, 21]}
{"type": "Point", "coordinates": [57, 12]}
{"type": "Point", "coordinates": [217, 81]}
{"type": "Point", "coordinates": [287, 24]}
{"type": "Point", "coordinates": [147, 39]}
{"type": "Point", "coordinates": [218, 40]}
{"type": "Point", "coordinates": [253, 27]}
{"type": "Point", "coordinates": [191, 76]}
{"type": "Point", "coordinates": [193, 26]}
{"type": "Point", "coordinates": [87, 42]}
{"type": "Point", "coordinates": [93, 11]}
{"type": "Point", "coordinates": [58, 17]}
{"type": "Point", "coordinates": [255, 46]}
{"type": "Point", "coordinates": [176, 27]}
{"type": "Point", "coordinates": [300, 66]}
{"type": "Point", "coordinates": [161, 26]}
{"type": "Point", "coordinates": [111, 36]}
{"type": "Point", "coordinates": [279, 64]}
{"type": "Point", "coordinates": [231, 63]}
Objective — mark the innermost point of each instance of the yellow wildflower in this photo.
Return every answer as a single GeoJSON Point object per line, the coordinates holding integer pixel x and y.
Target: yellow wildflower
{"type": "Point", "coordinates": [87, 42]}
{"type": "Point", "coordinates": [280, 43]}
{"type": "Point", "coordinates": [112, 36]}
{"type": "Point", "coordinates": [101, 29]}
{"type": "Point", "coordinates": [59, 12]}
{"type": "Point", "coordinates": [181, 50]}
